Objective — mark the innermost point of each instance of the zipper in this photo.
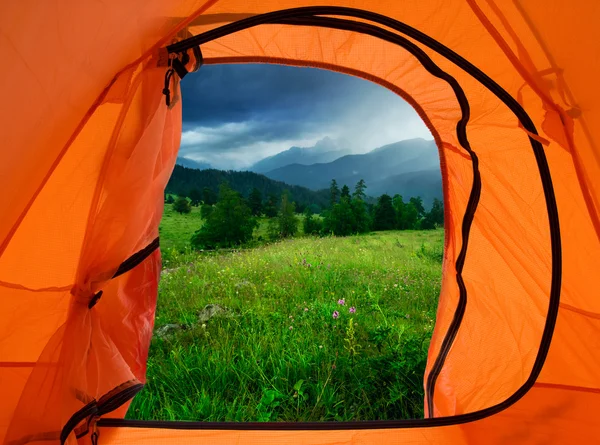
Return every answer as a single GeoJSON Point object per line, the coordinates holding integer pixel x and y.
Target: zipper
{"type": "Point", "coordinates": [87, 411]}
{"type": "Point", "coordinates": [95, 409]}
{"type": "Point", "coordinates": [313, 16]}
{"type": "Point", "coordinates": [112, 403]}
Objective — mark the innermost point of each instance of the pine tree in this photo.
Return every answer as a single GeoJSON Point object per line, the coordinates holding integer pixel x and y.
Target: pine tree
{"type": "Point", "coordinates": [361, 220]}
{"type": "Point", "coordinates": [359, 190]}
{"type": "Point", "coordinates": [418, 203]}
{"type": "Point", "coordinates": [255, 202]}
{"type": "Point", "coordinates": [270, 207]}
{"type": "Point", "coordinates": [208, 196]}
{"type": "Point", "coordinates": [435, 217]}
{"type": "Point", "coordinates": [345, 194]}
{"type": "Point", "coordinates": [229, 224]}
{"type": "Point", "coordinates": [437, 212]}
{"type": "Point", "coordinates": [399, 205]}
{"type": "Point", "coordinates": [385, 215]}
{"type": "Point", "coordinates": [205, 211]}
{"type": "Point", "coordinates": [334, 193]}
{"type": "Point", "coordinates": [287, 219]}
{"type": "Point", "coordinates": [340, 220]}
{"type": "Point", "coordinates": [410, 216]}
{"type": "Point", "coordinates": [311, 225]}
{"type": "Point", "coordinates": [195, 197]}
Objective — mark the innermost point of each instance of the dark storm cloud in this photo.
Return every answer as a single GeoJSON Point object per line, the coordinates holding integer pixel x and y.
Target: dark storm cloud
{"type": "Point", "coordinates": [235, 115]}
{"type": "Point", "coordinates": [237, 93]}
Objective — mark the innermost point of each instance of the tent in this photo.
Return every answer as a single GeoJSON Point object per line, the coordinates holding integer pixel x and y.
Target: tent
{"type": "Point", "coordinates": [90, 128]}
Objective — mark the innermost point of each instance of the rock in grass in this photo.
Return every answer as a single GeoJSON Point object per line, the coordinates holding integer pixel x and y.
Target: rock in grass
{"type": "Point", "coordinates": [213, 310]}
{"type": "Point", "coordinates": [167, 330]}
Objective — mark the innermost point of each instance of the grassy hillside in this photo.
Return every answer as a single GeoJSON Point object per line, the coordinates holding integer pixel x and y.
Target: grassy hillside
{"type": "Point", "coordinates": [279, 353]}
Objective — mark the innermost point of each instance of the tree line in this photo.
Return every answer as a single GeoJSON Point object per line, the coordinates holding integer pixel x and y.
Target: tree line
{"type": "Point", "coordinates": [199, 185]}
{"type": "Point", "coordinates": [230, 218]}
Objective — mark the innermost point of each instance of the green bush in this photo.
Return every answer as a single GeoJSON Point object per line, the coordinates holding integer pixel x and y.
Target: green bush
{"type": "Point", "coordinates": [311, 225]}
{"type": "Point", "coordinates": [182, 205]}
{"type": "Point", "coordinates": [229, 224]}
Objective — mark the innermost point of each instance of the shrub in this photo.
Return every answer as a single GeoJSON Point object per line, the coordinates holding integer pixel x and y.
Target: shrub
{"type": "Point", "coordinates": [182, 205]}
{"type": "Point", "coordinates": [229, 224]}
{"type": "Point", "coordinates": [311, 225]}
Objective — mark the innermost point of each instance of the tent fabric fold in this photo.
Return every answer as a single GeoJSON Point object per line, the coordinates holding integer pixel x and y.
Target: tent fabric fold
{"type": "Point", "coordinates": [508, 90]}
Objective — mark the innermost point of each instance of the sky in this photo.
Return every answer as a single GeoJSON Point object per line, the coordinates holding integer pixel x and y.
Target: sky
{"type": "Point", "coordinates": [236, 115]}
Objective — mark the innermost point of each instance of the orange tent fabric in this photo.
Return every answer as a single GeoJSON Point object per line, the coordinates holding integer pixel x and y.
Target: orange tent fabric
{"type": "Point", "coordinates": [508, 88]}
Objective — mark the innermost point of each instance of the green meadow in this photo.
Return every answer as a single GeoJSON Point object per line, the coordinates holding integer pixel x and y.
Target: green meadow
{"type": "Point", "coordinates": [309, 329]}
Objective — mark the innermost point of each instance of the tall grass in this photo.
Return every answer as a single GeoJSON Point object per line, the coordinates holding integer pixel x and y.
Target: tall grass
{"type": "Point", "coordinates": [279, 354]}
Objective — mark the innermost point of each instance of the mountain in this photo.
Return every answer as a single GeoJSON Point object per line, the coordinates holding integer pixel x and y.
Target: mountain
{"type": "Point", "coordinates": [424, 183]}
{"type": "Point", "coordinates": [190, 163]}
{"type": "Point", "coordinates": [378, 168]}
{"type": "Point", "coordinates": [326, 150]}
{"type": "Point", "coordinates": [183, 180]}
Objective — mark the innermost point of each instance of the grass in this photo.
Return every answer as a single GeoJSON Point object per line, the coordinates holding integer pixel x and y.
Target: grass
{"type": "Point", "coordinates": [280, 355]}
{"type": "Point", "coordinates": [176, 229]}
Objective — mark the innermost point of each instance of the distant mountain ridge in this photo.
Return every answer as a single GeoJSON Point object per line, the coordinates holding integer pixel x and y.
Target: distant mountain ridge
{"type": "Point", "coordinates": [183, 180]}
{"type": "Point", "coordinates": [424, 183]}
{"type": "Point", "coordinates": [325, 150]}
{"type": "Point", "coordinates": [190, 163]}
{"type": "Point", "coordinates": [410, 167]}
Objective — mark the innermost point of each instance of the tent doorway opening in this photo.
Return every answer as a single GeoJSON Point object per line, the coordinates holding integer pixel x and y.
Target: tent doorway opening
{"type": "Point", "coordinates": [452, 120]}
{"type": "Point", "coordinates": [302, 244]}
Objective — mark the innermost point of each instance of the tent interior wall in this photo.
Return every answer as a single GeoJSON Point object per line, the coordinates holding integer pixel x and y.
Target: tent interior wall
{"type": "Point", "coordinates": [84, 119]}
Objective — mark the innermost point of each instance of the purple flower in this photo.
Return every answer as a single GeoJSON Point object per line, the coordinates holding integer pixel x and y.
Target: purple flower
{"type": "Point", "coordinates": [336, 314]}
{"type": "Point", "coordinates": [342, 301]}
{"type": "Point", "coordinates": [352, 310]}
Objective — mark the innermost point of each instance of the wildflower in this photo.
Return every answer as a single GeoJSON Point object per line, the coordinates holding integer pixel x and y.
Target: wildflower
{"type": "Point", "coordinates": [320, 346]}
{"type": "Point", "coordinates": [290, 317]}
{"type": "Point", "coordinates": [203, 325]}
{"type": "Point", "coordinates": [335, 314]}
{"type": "Point", "coordinates": [305, 309]}
{"type": "Point", "coordinates": [342, 301]}
{"type": "Point", "coordinates": [352, 310]}
{"type": "Point", "coordinates": [333, 366]}
{"type": "Point", "coordinates": [291, 327]}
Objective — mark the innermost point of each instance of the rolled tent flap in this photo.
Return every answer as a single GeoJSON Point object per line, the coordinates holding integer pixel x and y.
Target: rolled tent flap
{"type": "Point", "coordinates": [89, 144]}
{"type": "Point", "coordinates": [100, 349]}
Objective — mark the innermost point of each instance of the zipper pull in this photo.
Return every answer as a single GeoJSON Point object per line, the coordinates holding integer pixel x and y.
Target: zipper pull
{"type": "Point", "coordinates": [167, 89]}
{"type": "Point", "coordinates": [95, 434]}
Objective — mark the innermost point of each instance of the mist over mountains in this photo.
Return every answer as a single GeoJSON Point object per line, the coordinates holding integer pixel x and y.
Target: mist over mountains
{"type": "Point", "coordinates": [409, 168]}
{"type": "Point", "coordinates": [190, 163]}
{"type": "Point", "coordinates": [325, 150]}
